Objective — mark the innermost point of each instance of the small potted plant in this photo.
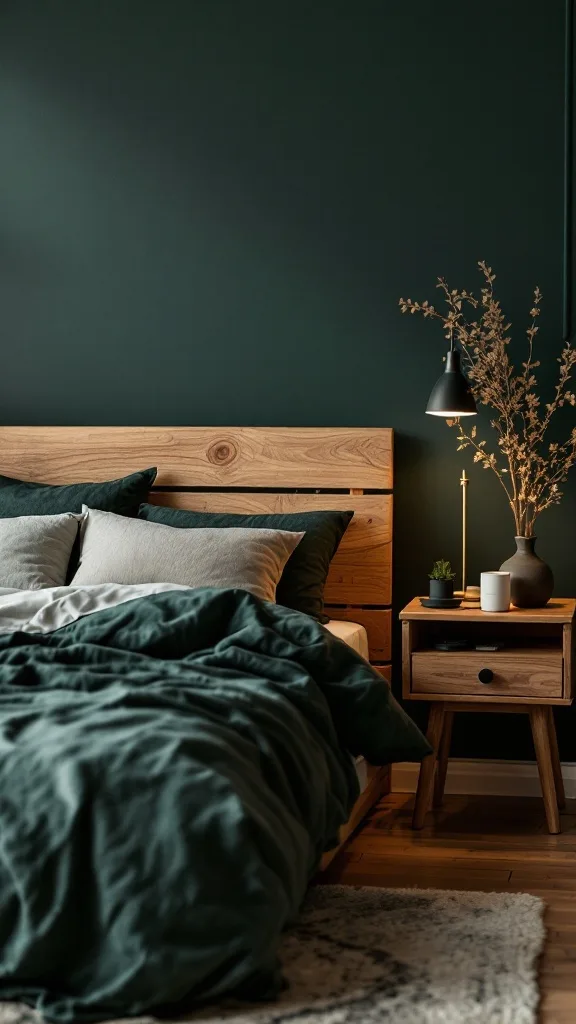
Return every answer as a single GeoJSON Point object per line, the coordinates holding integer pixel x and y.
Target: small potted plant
{"type": "Point", "coordinates": [441, 581]}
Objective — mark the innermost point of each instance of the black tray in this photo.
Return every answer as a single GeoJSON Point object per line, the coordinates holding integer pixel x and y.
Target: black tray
{"type": "Point", "coordinates": [441, 602]}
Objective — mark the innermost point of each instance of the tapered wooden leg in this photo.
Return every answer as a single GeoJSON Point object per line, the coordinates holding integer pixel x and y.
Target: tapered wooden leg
{"type": "Point", "coordinates": [541, 737]}
{"type": "Point", "coordinates": [426, 777]}
{"type": "Point", "coordinates": [556, 765]}
{"type": "Point", "coordinates": [442, 759]}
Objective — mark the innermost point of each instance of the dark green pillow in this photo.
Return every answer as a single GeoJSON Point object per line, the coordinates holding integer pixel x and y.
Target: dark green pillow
{"type": "Point", "coordinates": [302, 583]}
{"type": "Point", "coordinates": [123, 496]}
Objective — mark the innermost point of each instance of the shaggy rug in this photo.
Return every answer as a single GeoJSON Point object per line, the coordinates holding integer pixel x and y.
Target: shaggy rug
{"type": "Point", "coordinates": [396, 956]}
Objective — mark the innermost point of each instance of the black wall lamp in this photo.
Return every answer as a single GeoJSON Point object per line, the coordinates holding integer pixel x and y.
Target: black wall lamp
{"type": "Point", "coordinates": [451, 395]}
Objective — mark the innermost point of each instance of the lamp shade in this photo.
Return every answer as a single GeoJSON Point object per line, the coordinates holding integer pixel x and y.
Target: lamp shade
{"type": "Point", "coordinates": [451, 394]}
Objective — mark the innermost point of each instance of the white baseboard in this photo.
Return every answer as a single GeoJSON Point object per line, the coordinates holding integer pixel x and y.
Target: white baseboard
{"type": "Point", "coordinates": [485, 778]}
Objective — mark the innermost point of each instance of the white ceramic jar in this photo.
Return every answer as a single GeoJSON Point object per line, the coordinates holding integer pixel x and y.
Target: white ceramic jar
{"type": "Point", "coordinates": [495, 591]}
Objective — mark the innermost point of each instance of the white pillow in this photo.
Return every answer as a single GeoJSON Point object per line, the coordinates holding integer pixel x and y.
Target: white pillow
{"type": "Point", "coordinates": [120, 550]}
{"type": "Point", "coordinates": [35, 550]}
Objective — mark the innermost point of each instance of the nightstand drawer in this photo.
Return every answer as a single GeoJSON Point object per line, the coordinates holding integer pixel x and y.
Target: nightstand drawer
{"type": "Point", "coordinates": [512, 673]}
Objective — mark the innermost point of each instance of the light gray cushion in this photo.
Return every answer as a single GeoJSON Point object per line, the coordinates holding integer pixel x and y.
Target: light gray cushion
{"type": "Point", "coordinates": [35, 550]}
{"type": "Point", "coordinates": [119, 550]}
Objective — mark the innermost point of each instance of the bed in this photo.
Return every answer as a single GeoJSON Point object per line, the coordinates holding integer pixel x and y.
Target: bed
{"type": "Point", "coordinates": [247, 470]}
{"type": "Point", "coordinates": [257, 470]}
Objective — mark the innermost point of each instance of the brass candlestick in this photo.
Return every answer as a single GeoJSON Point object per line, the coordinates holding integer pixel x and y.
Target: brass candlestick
{"type": "Point", "coordinates": [464, 486]}
{"type": "Point", "coordinates": [467, 593]}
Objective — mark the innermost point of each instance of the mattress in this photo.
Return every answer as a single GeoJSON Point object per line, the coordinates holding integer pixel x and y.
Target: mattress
{"type": "Point", "coordinates": [352, 633]}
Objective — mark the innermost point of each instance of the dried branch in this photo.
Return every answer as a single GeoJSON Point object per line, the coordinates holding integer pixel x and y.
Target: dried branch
{"type": "Point", "coordinates": [529, 470]}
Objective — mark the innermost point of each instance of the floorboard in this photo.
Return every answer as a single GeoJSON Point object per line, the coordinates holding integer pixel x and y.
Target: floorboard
{"type": "Point", "coordinates": [482, 843]}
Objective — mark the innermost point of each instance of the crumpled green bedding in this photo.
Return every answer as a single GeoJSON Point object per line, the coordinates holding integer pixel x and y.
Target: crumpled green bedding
{"type": "Point", "coordinates": [171, 771]}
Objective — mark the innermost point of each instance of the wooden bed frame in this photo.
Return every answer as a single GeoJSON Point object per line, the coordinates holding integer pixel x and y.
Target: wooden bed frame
{"type": "Point", "coordinates": [256, 470]}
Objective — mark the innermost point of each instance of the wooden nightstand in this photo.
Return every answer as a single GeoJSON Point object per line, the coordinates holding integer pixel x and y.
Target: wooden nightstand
{"type": "Point", "coordinates": [533, 670]}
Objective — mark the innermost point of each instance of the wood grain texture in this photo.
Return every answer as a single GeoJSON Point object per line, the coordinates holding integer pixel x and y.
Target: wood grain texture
{"type": "Point", "coordinates": [348, 459]}
{"type": "Point", "coordinates": [519, 673]}
{"type": "Point", "coordinates": [485, 705]}
{"type": "Point", "coordinates": [540, 734]}
{"type": "Point", "coordinates": [408, 644]}
{"type": "Point", "coordinates": [568, 642]}
{"type": "Point", "coordinates": [424, 792]}
{"type": "Point", "coordinates": [378, 625]}
{"type": "Point", "coordinates": [559, 609]}
{"type": "Point", "coordinates": [485, 844]}
{"type": "Point", "coordinates": [442, 760]}
{"type": "Point", "coordinates": [361, 571]}
{"type": "Point", "coordinates": [545, 744]}
{"type": "Point", "coordinates": [271, 457]}
{"type": "Point", "coordinates": [526, 676]}
{"type": "Point", "coordinates": [556, 763]}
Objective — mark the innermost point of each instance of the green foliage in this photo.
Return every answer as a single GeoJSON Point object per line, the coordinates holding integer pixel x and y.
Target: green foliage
{"type": "Point", "coordinates": [442, 570]}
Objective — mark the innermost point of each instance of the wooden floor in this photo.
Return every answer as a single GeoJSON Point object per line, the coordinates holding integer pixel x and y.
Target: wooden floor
{"type": "Point", "coordinates": [484, 843]}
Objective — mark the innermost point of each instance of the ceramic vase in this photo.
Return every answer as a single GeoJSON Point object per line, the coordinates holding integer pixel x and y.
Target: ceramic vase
{"type": "Point", "coordinates": [531, 580]}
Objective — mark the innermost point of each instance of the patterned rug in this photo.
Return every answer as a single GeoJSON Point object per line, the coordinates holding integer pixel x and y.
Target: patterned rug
{"type": "Point", "coordinates": [396, 956]}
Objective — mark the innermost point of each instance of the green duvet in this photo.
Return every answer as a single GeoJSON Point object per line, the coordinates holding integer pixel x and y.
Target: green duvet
{"type": "Point", "coordinates": [171, 770]}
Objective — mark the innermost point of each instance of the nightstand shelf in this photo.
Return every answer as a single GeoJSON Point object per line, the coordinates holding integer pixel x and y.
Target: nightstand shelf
{"type": "Point", "coordinates": [532, 670]}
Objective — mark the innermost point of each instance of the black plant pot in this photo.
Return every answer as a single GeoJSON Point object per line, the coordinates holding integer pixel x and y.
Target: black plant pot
{"type": "Point", "coordinates": [531, 580]}
{"type": "Point", "coordinates": [440, 590]}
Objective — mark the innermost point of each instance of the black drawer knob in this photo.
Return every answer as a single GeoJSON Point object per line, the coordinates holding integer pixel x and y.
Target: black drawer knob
{"type": "Point", "coordinates": [485, 675]}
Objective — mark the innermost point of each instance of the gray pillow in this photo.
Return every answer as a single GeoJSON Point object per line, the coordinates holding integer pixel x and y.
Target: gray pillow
{"type": "Point", "coordinates": [119, 550]}
{"type": "Point", "coordinates": [35, 550]}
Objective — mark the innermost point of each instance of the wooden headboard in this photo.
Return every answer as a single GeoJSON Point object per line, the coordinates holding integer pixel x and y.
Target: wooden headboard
{"type": "Point", "coordinates": [247, 469]}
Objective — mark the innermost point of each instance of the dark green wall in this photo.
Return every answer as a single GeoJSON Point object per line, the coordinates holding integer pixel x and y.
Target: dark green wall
{"type": "Point", "coordinates": [208, 210]}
